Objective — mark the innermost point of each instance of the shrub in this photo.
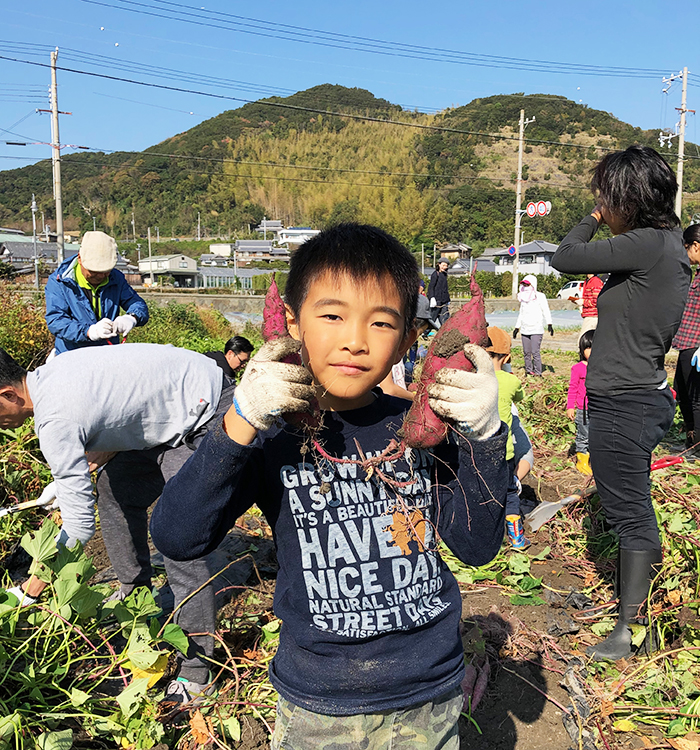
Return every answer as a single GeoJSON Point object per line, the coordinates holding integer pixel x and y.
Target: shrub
{"type": "Point", "coordinates": [23, 331]}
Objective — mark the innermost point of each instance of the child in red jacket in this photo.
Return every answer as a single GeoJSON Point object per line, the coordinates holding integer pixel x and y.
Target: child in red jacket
{"type": "Point", "coordinates": [577, 402]}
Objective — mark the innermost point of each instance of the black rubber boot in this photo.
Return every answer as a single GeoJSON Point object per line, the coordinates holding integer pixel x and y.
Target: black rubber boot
{"type": "Point", "coordinates": [636, 568]}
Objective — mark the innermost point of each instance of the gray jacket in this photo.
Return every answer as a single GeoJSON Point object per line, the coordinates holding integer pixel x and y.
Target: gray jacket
{"type": "Point", "coordinates": [115, 398]}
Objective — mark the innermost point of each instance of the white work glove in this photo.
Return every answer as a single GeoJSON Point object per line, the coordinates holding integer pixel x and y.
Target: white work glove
{"type": "Point", "coordinates": [433, 302]}
{"type": "Point", "coordinates": [123, 324]}
{"type": "Point", "coordinates": [695, 361]}
{"type": "Point", "coordinates": [100, 330]}
{"type": "Point", "coordinates": [48, 498]}
{"type": "Point", "coordinates": [270, 388]}
{"type": "Point", "coordinates": [469, 399]}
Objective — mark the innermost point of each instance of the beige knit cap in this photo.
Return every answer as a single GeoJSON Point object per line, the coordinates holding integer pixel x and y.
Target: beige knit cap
{"type": "Point", "coordinates": [98, 252]}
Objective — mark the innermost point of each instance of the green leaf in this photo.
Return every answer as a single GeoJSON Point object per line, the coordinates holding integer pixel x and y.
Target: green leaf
{"type": "Point", "coordinates": [9, 724]}
{"type": "Point", "coordinates": [676, 728]}
{"type": "Point", "coordinates": [519, 563]}
{"type": "Point", "coordinates": [639, 633]}
{"type": "Point", "coordinates": [139, 649]}
{"type": "Point", "coordinates": [78, 697]}
{"type": "Point", "coordinates": [41, 545]}
{"type": "Point", "coordinates": [174, 635]}
{"type": "Point", "coordinates": [65, 590]}
{"type": "Point", "coordinates": [86, 601]}
{"type": "Point", "coordinates": [232, 728]}
{"type": "Point", "coordinates": [545, 553]}
{"type": "Point", "coordinates": [602, 628]}
{"type": "Point", "coordinates": [141, 603]}
{"type": "Point", "coordinates": [132, 695]}
{"type": "Point", "coordinates": [62, 740]}
{"type": "Point", "coordinates": [271, 630]}
{"type": "Point", "coordinates": [530, 583]}
{"type": "Point", "coordinates": [526, 600]}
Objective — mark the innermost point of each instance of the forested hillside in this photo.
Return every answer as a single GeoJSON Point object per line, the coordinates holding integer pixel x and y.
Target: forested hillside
{"type": "Point", "coordinates": [290, 159]}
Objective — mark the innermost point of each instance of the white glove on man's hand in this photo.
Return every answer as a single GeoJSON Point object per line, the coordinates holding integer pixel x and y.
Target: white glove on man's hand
{"type": "Point", "coordinates": [101, 330]}
{"type": "Point", "coordinates": [433, 302]}
{"type": "Point", "coordinates": [270, 388]}
{"type": "Point", "coordinates": [695, 361]}
{"type": "Point", "coordinates": [123, 324]}
{"type": "Point", "coordinates": [48, 497]}
{"type": "Point", "coordinates": [469, 399]}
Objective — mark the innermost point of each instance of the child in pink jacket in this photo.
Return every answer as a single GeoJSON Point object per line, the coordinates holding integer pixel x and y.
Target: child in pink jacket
{"type": "Point", "coordinates": [577, 402]}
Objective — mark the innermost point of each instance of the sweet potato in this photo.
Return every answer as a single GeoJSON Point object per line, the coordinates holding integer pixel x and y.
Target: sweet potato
{"type": "Point", "coordinates": [274, 315]}
{"type": "Point", "coordinates": [274, 327]}
{"type": "Point", "coordinates": [422, 428]}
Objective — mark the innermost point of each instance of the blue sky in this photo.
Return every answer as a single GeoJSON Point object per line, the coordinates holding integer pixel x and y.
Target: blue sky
{"type": "Point", "coordinates": [112, 115]}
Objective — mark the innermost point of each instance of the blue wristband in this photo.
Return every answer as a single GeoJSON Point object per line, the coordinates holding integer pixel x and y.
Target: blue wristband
{"type": "Point", "coordinates": [237, 407]}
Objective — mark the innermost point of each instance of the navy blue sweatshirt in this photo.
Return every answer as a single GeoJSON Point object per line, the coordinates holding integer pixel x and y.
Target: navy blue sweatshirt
{"type": "Point", "coordinates": [370, 611]}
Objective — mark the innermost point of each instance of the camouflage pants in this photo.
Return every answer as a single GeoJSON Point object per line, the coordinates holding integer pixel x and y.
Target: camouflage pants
{"type": "Point", "coordinates": [430, 726]}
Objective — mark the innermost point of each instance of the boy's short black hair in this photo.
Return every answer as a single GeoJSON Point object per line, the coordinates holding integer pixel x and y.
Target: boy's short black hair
{"type": "Point", "coordinates": [638, 186]}
{"type": "Point", "coordinates": [238, 344]}
{"type": "Point", "coordinates": [364, 253]}
{"type": "Point", "coordinates": [585, 342]}
{"type": "Point", "coordinates": [10, 372]}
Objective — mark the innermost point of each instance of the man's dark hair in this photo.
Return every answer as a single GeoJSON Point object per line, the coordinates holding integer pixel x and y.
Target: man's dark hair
{"type": "Point", "coordinates": [585, 342]}
{"type": "Point", "coordinates": [691, 234]}
{"type": "Point", "coordinates": [10, 372]}
{"type": "Point", "coordinates": [363, 252]}
{"type": "Point", "coordinates": [638, 186]}
{"type": "Point", "coordinates": [238, 344]}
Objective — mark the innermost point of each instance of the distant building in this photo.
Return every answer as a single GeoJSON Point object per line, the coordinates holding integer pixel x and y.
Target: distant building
{"type": "Point", "coordinates": [269, 226]}
{"type": "Point", "coordinates": [209, 259]}
{"type": "Point", "coordinates": [453, 252]}
{"type": "Point", "coordinates": [181, 267]}
{"type": "Point", "coordinates": [250, 250]}
{"type": "Point", "coordinates": [293, 236]}
{"type": "Point", "coordinates": [223, 249]}
{"type": "Point", "coordinates": [226, 277]}
{"type": "Point", "coordinates": [534, 257]}
{"type": "Point", "coordinates": [464, 266]}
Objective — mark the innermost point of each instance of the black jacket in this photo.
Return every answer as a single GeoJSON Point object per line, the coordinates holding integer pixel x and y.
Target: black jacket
{"type": "Point", "coordinates": [437, 288]}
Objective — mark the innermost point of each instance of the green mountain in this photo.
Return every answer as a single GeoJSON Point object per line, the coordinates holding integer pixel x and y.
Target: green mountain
{"type": "Point", "coordinates": [297, 159]}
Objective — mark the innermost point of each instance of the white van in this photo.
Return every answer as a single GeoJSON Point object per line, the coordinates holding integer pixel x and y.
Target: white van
{"type": "Point", "coordinates": [571, 289]}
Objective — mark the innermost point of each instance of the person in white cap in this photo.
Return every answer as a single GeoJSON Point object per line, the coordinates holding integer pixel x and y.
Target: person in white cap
{"type": "Point", "coordinates": [85, 295]}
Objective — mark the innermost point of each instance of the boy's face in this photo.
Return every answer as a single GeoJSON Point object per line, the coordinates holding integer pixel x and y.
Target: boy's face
{"type": "Point", "coordinates": [352, 334]}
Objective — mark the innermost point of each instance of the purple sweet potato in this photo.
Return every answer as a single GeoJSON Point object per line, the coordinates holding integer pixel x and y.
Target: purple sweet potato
{"type": "Point", "coordinates": [274, 327]}
{"type": "Point", "coordinates": [422, 428]}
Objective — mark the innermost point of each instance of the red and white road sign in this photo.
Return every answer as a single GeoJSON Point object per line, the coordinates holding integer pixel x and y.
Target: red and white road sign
{"type": "Point", "coordinates": [541, 208]}
{"type": "Point", "coordinates": [532, 210]}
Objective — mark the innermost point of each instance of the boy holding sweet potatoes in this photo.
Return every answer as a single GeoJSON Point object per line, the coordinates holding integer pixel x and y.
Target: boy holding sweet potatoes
{"type": "Point", "coordinates": [370, 653]}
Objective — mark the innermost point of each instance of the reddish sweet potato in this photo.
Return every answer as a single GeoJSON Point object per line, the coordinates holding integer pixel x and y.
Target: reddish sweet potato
{"type": "Point", "coordinates": [422, 428]}
{"type": "Point", "coordinates": [274, 315]}
{"type": "Point", "coordinates": [274, 327]}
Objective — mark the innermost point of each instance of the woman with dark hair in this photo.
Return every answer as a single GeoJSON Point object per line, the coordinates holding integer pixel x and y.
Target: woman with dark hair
{"type": "Point", "coordinates": [687, 340]}
{"type": "Point", "coordinates": [630, 406]}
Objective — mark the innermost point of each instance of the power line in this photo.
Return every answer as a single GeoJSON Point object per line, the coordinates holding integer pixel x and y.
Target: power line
{"type": "Point", "coordinates": [305, 35]}
{"type": "Point", "coordinates": [296, 107]}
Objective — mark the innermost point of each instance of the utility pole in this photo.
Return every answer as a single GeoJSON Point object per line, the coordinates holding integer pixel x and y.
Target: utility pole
{"type": "Point", "coordinates": [422, 258]}
{"type": "Point", "coordinates": [133, 226]}
{"type": "Point", "coordinates": [157, 234]}
{"type": "Point", "coordinates": [93, 224]}
{"type": "Point", "coordinates": [518, 199]}
{"type": "Point", "coordinates": [681, 146]}
{"type": "Point", "coordinates": [56, 157]}
{"type": "Point", "coordinates": [199, 227]}
{"type": "Point", "coordinates": [36, 259]}
{"type": "Point", "coordinates": [150, 262]}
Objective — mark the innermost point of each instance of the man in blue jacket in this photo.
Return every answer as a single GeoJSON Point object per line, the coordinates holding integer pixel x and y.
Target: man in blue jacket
{"type": "Point", "coordinates": [85, 294]}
